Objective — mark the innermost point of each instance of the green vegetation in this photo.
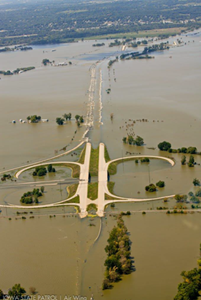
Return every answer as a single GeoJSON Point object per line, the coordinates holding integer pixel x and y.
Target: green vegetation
{"type": "Point", "coordinates": [28, 22]}
{"type": "Point", "coordinates": [191, 161]}
{"type": "Point", "coordinates": [160, 184]}
{"type": "Point", "coordinates": [183, 160]}
{"type": "Point", "coordinates": [93, 168]}
{"type": "Point", "coordinates": [108, 197]}
{"type": "Point", "coordinates": [190, 288]}
{"type": "Point", "coordinates": [51, 169]}
{"type": "Point", "coordinates": [79, 119]}
{"type": "Point", "coordinates": [82, 156]}
{"type": "Point", "coordinates": [67, 116]}
{"type": "Point", "coordinates": [75, 169]}
{"type": "Point", "coordinates": [6, 176]}
{"type": "Point", "coordinates": [60, 121]}
{"type": "Point", "coordinates": [74, 200]}
{"type": "Point", "coordinates": [17, 71]}
{"type": "Point", "coordinates": [16, 292]}
{"type": "Point", "coordinates": [15, 48]}
{"type": "Point", "coordinates": [93, 190]}
{"type": "Point", "coordinates": [107, 156]}
{"type": "Point", "coordinates": [31, 197]}
{"type": "Point", "coordinates": [150, 188]}
{"type": "Point", "coordinates": [112, 169]}
{"type": "Point", "coordinates": [46, 61]}
{"type": "Point", "coordinates": [98, 45]}
{"type": "Point", "coordinates": [145, 160]}
{"type": "Point", "coordinates": [160, 33]}
{"type": "Point", "coordinates": [110, 186]}
{"type": "Point", "coordinates": [196, 182]}
{"type": "Point", "coordinates": [128, 213]}
{"type": "Point", "coordinates": [145, 52]}
{"type": "Point", "coordinates": [72, 189]}
{"type": "Point", "coordinates": [131, 141]}
{"type": "Point", "coordinates": [34, 119]}
{"type": "Point", "coordinates": [180, 198]}
{"type": "Point", "coordinates": [164, 146]}
{"type": "Point", "coordinates": [111, 62]}
{"type": "Point", "coordinates": [115, 43]}
{"type": "Point", "coordinates": [198, 193]}
{"type": "Point", "coordinates": [91, 207]}
{"type": "Point", "coordinates": [40, 171]}
{"type": "Point", "coordinates": [118, 260]}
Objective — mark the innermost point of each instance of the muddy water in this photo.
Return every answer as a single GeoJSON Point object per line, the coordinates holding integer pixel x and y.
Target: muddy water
{"type": "Point", "coordinates": [70, 263]}
{"type": "Point", "coordinates": [58, 255]}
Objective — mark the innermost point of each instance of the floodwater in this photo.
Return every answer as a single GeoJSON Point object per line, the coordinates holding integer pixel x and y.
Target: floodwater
{"type": "Point", "coordinates": [61, 255]}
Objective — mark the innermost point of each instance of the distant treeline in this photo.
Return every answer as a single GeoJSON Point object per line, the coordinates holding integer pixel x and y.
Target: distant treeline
{"type": "Point", "coordinates": [41, 22]}
{"type": "Point", "coordinates": [17, 71]}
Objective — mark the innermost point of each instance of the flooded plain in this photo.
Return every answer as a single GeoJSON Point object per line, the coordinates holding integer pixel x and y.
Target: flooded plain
{"type": "Point", "coordinates": [60, 255]}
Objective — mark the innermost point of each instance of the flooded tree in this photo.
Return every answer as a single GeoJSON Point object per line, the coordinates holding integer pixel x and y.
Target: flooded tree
{"type": "Point", "coordinates": [196, 182]}
{"type": "Point", "coordinates": [118, 261]}
{"type": "Point", "coordinates": [191, 161]}
{"type": "Point", "coordinates": [164, 146]}
{"type": "Point", "coordinates": [16, 291]}
{"type": "Point", "coordinates": [183, 160]}
{"type": "Point", "coordinates": [59, 121]}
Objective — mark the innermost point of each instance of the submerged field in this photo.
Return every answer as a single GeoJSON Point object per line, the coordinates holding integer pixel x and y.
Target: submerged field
{"type": "Point", "coordinates": [166, 92]}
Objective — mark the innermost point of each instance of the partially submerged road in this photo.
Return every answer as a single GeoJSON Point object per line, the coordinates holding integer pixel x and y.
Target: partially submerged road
{"type": "Point", "coordinates": [82, 190]}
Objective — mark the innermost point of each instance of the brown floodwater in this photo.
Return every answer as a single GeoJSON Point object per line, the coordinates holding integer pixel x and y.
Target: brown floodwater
{"type": "Point", "coordinates": [60, 255]}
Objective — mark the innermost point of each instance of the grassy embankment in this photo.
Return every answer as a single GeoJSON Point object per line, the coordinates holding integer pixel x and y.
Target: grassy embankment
{"type": "Point", "coordinates": [93, 170]}
{"type": "Point", "coordinates": [93, 191]}
{"type": "Point", "coordinates": [139, 34]}
{"type": "Point", "coordinates": [75, 173]}
{"type": "Point", "coordinates": [82, 155]}
{"type": "Point", "coordinates": [91, 207]}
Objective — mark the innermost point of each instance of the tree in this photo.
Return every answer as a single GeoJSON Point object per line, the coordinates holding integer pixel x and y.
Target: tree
{"type": "Point", "coordinates": [191, 161]}
{"type": "Point", "coordinates": [183, 150]}
{"type": "Point", "coordinates": [59, 121]}
{"type": "Point", "coordinates": [139, 141]}
{"type": "Point", "coordinates": [183, 160]}
{"type": "Point", "coordinates": [49, 168]}
{"type": "Point", "coordinates": [16, 291]}
{"type": "Point", "coordinates": [124, 139]}
{"type": "Point", "coordinates": [65, 116]}
{"type": "Point", "coordinates": [196, 182]}
{"type": "Point", "coordinates": [42, 189]}
{"type": "Point", "coordinates": [81, 119]}
{"type": "Point", "coordinates": [41, 172]}
{"type": "Point", "coordinates": [46, 61]}
{"type": "Point", "coordinates": [160, 184]}
{"type": "Point", "coordinates": [130, 140]}
{"type": "Point", "coordinates": [192, 150]}
{"type": "Point", "coordinates": [150, 188]}
{"type": "Point", "coordinates": [164, 146]}
{"type": "Point", "coordinates": [1, 294]}
{"type": "Point", "coordinates": [77, 117]}
{"type": "Point", "coordinates": [198, 193]}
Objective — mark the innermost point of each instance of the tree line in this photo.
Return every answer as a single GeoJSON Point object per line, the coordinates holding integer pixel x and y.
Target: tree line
{"type": "Point", "coordinates": [118, 261]}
